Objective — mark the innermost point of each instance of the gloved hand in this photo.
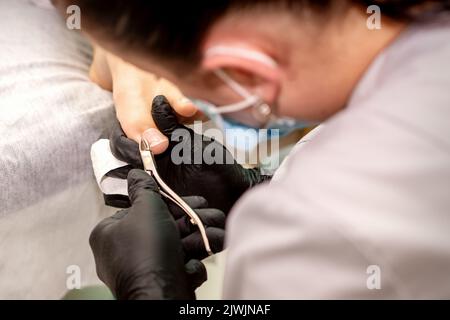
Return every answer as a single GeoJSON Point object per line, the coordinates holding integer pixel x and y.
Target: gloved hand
{"type": "Point", "coordinates": [191, 239]}
{"type": "Point", "coordinates": [138, 251]}
{"type": "Point", "coordinates": [221, 184]}
{"type": "Point", "coordinates": [213, 219]}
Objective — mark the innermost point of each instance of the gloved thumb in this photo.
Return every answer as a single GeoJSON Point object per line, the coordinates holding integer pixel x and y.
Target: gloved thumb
{"type": "Point", "coordinates": [164, 116]}
{"type": "Point", "coordinates": [122, 148]}
{"type": "Point", "coordinates": [140, 183]}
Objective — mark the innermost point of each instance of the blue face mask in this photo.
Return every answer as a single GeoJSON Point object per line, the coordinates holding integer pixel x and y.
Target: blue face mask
{"type": "Point", "coordinates": [242, 136]}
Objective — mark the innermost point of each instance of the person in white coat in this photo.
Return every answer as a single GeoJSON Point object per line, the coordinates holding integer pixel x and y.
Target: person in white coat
{"type": "Point", "coordinates": [361, 207]}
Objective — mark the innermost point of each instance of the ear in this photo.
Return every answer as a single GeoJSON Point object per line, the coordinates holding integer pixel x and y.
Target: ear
{"type": "Point", "coordinates": [250, 63]}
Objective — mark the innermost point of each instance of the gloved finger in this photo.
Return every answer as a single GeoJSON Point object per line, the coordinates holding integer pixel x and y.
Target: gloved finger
{"type": "Point", "coordinates": [164, 116]}
{"type": "Point", "coordinates": [210, 218]}
{"type": "Point", "coordinates": [195, 202]}
{"type": "Point", "coordinates": [147, 206]}
{"type": "Point", "coordinates": [196, 273]}
{"type": "Point", "coordinates": [123, 148]}
{"type": "Point", "coordinates": [194, 247]}
{"type": "Point", "coordinates": [141, 184]}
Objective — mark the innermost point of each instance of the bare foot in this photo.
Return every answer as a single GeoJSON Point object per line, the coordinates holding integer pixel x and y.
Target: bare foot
{"type": "Point", "coordinates": [99, 71]}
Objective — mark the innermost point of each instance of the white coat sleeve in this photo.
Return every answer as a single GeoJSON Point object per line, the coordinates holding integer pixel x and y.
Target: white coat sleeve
{"type": "Point", "coordinates": [370, 192]}
{"type": "Point", "coordinates": [358, 216]}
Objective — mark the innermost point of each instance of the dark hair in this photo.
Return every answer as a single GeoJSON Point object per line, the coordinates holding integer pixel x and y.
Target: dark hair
{"type": "Point", "coordinates": [174, 30]}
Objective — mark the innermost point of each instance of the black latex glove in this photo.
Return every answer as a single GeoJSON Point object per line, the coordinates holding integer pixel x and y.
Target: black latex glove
{"type": "Point", "coordinates": [138, 251]}
{"type": "Point", "coordinates": [213, 220]}
{"type": "Point", "coordinates": [220, 184]}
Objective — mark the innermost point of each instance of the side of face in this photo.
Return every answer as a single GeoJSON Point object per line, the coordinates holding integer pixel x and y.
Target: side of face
{"type": "Point", "coordinates": [318, 61]}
